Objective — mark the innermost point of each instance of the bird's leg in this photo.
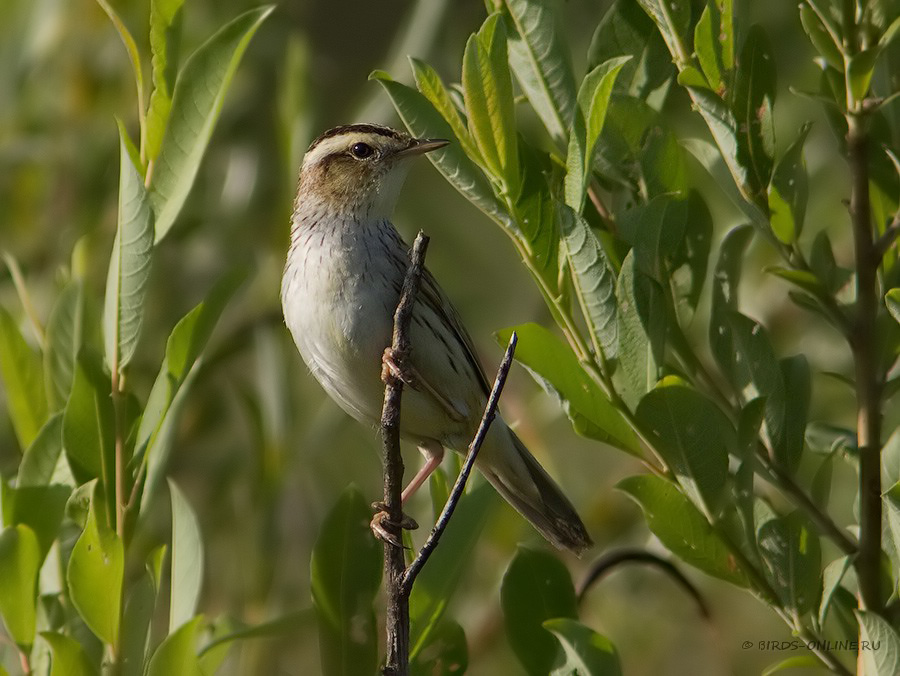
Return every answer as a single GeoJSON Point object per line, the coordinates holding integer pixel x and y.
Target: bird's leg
{"type": "Point", "coordinates": [411, 376]}
{"type": "Point", "coordinates": [433, 453]}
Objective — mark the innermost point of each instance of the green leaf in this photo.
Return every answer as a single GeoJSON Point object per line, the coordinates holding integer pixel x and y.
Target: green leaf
{"type": "Point", "coordinates": [536, 587]}
{"type": "Point", "coordinates": [177, 654]}
{"type": "Point", "coordinates": [184, 347]}
{"type": "Point", "coordinates": [798, 662]}
{"type": "Point", "coordinates": [681, 527]}
{"type": "Point", "coordinates": [140, 604]}
{"type": "Point", "coordinates": [885, 661]}
{"type": "Point", "coordinates": [487, 89]}
{"type": "Point", "coordinates": [187, 560]}
{"type": "Point", "coordinates": [134, 54]}
{"type": "Point", "coordinates": [64, 337]}
{"type": "Point", "coordinates": [831, 581]}
{"type": "Point", "coordinates": [288, 623]}
{"type": "Point", "coordinates": [673, 19]}
{"type": "Point", "coordinates": [788, 191]}
{"type": "Point", "coordinates": [689, 262]}
{"type": "Point", "coordinates": [536, 215]}
{"type": "Point", "coordinates": [593, 279]}
{"type": "Point", "coordinates": [556, 368]}
{"type": "Point", "coordinates": [754, 96]}
{"type": "Point", "coordinates": [694, 437]}
{"type": "Point", "coordinates": [129, 267]}
{"type": "Point", "coordinates": [584, 650]}
{"type": "Point", "coordinates": [593, 101]}
{"type": "Point", "coordinates": [69, 658]}
{"type": "Point", "coordinates": [784, 385]}
{"type": "Point", "coordinates": [860, 71]}
{"type": "Point", "coordinates": [88, 425]}
{"type": "Point", "coordinates": [20, 562]}
{"type": "Point", "coordinates": [891, 499]}
{"type": "Point", "coordinates": [346, 574]}
{"type": "Point", "coordinates": [793, 558]}
{"type": "Point", "coordinates": [23, 376]}
{"type": "Point", "coordinates": [438, 581]}
{"type": "Point", "coordinates": [892, 301]}
{"type": "Point", "coordinates": [165, 32]}
{"type": "Point", "coordinates": [540, 60]}
{"type": "Point", "coordinates": [196, 104]}
{"type": "Point", "coordinates": [423, 120]}
{"type": "Point", "coordinates": [96, 572]}
{"type": "Point", "coordinates": [432, 87]}
{"type": "Point", "coordinates": [40, 508]}
{"type": "Point", "coordinates": [641, 330]}
{"type": "Point", "coordinates": [40, 459]}
{"type": "Point", "coordinates": [626, 30]}
{"type": "Point", "coordinates": [446, 654]}
{"type": "Point", "coordinates": [821, 39]}
{"type": "Point", "coordinates": [726, 281]}
{"type": "Point", "coordinates": [706, 46]}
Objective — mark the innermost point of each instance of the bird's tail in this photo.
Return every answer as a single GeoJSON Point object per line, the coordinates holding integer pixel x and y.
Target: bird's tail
{"type": "Point", "coordinates": [525, 485]}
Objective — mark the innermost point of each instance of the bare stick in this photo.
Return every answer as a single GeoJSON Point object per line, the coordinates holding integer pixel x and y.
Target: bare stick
{"type": "Point", "coordinates": [490, 412]}
{"type": "Point", "coordinates": [397, 615]}
{"type": "Point", "coordinates": [612, 559]}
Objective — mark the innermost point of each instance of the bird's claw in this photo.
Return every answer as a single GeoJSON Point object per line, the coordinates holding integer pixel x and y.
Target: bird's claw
{"type": "Point", "coordinates": [387, 530]}
{"type": "Point", "coordinates": [390, 368]}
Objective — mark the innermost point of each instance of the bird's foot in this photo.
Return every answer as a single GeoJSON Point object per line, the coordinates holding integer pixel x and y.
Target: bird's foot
{"type": "Point", "coordinates": [387, 530]}
{"type": "Point", "coordinates": [391, 369]}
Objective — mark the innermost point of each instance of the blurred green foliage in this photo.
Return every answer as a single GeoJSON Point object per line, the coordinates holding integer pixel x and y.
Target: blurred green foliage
{"type": "Point", "coordinates": [262, 457]}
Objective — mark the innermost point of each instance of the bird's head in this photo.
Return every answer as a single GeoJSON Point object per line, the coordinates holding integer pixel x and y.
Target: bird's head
{"type": "Point", "coordinates": [359, 168]}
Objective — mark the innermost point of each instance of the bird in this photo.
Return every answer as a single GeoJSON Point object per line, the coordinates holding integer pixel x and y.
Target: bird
{"type": "Point", "coordinates": [341, 284]}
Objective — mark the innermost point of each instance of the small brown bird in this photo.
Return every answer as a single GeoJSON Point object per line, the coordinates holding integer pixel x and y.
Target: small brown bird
{"type": "Point", "coordinates": [341, 284]}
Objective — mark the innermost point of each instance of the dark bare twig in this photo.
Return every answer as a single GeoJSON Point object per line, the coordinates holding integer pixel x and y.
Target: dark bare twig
{"type": "Point", "coordinates": [397, 613]}
{"type": "Point", "coordinates": [615, 558]}
{"type": "Point", "coordinates": [490, 412]}
{"type": "Point", "coordinates": [399, 580]}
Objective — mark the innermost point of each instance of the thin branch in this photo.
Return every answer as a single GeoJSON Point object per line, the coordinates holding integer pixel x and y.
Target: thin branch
{"type": "Point", "coordinates": [490, 412]}
{"type": "Point", "coordinates": [615, 558]}
{"type": "Point", "coordinates": [397, 614]}
{"type": "Point", "coordinates": [868, 377]}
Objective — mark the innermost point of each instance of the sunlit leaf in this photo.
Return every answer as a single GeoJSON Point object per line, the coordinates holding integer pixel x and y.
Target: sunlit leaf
{"type": "Point", "coordinates": [96, 572]}
{"type": "Point", "coordinates": [694, 438]}
{"type": "Point", "coordinates": [23, 378]}
{"type": "Point", "coordinates": [196, 104]}
{"type": "Point", "coordinates": [487, 87]}
{"type": "Point", "coordinates": [860, 71]}
{"type": "Point", "coordinates": [641, 322]}
{"type": "Point", "coordinates": [20, 561]}
{"type": "Point", "coordinates": [69, 658]}
{"type": "Point", "coordinates": [672, 18]}
{"type": "Point", "coordinates": [40, 508]}
{"type": "Point", "coordinates": [129, 267]}
{"type": "Point", "coordinates": [584, 650]}
{"type": "Point", "coordinates": [681, 527]}
{"type": "Point", "coordinates": [187, 560]}
{"type": "Point", "coordinates": [177, 654]}
{"type": "Point", "coordinates": [892, 301]}
{"type": "Point", "coordinates": [540, 60]}
{"type": "Point", "coordinates": [40, 459]}
{"type": "Point", "coordinates": [557, 370]}
{"type": "Point", "coordinates": [831, 579]}
{"type": "Point", "coordinates": [423, 120]}
{"type": "Point", "coordinates": [706, 46]}
{"type": "Point", "coordinates": [875, 630]}
{"type": "Point", "coordinates": [593, 279]}
{"type": "Point", "coordinates": [165, 32]}
{"type": "Point", "coordinates": [821, 38]}
{"type": "Point", "coordinates": [88, 421]}
{"type": "Point", "coordinates": [429, 83]}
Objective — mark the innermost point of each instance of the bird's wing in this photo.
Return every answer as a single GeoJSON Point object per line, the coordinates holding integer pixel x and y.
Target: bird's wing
{"type": "Point", "coordinates": [434, 297]}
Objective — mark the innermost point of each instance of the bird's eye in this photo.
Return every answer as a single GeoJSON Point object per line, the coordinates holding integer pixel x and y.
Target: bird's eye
{"type": "Point", "coordinates": [361, 150]}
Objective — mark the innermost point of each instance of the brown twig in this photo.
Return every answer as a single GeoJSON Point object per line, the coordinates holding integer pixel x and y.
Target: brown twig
{"type": "Point", "coordinates": [399, 579]}
{"type": "Point", "coordinates": [397, 613]}
{"type": "Point", "coordinates": [490, 412]}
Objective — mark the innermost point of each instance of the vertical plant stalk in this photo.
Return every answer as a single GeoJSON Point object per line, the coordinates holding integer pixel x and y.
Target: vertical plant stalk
{"type": "Point", "coordinates": [868, 381]}
{"type": "Point", "coordinates": [399, 579]}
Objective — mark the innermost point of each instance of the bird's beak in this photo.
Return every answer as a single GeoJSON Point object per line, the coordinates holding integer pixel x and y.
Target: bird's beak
{"type": "Point", "coordinates": [422, 145]}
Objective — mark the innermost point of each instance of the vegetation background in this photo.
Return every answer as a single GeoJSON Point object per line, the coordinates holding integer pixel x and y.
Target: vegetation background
{"type": "Point", "coordinates": [260, 452]}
